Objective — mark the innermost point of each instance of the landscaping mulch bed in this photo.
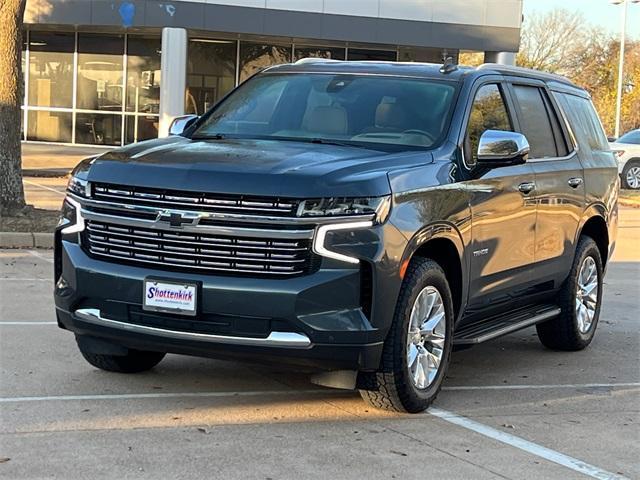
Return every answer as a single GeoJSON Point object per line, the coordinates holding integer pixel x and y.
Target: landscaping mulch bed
{"type": "Point", "coordinates": [29, 219]}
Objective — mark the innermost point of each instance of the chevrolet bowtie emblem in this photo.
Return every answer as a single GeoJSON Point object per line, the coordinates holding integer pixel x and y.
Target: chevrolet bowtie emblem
{"type": "Point", "coordinates": [178, 219]}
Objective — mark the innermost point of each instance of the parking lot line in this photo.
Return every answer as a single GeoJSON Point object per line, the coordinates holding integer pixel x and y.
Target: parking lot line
{"type": "Point", "coordinates": [133, 396]}
{"type": "Point", "coordinates": [547, 386]}
{"type": "Point", "coordinates": [44, 187]}
{"type": "Point", "coordinates": [525, 445]}
{"type": "Point", "coordinates": [137, 396]}
{"type": "Point", "coordinates": [40, 256]}
{"type": "Point", "coordinates": [28, 323]}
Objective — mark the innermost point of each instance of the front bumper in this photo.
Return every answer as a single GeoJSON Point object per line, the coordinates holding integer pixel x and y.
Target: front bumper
{"type": "Point", "coordinates": [314, 320]}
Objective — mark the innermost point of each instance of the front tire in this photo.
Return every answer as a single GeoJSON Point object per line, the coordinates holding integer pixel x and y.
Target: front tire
{"type": "Point", "coordinates": [134, 361]}
{"type": "Point", "coordinates": [418, 347]}
{"type": "Point", "coordinates": [580, 300]}
{"type": "Point", "coordinates": [631, 175]}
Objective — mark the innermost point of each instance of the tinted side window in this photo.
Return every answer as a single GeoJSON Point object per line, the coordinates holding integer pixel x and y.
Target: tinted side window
{"type": "Point", "coordinates": [539, 123]}
{"type": "Point", "coordinates": [487, 113]}
{"type": "Point", "coordinates": [584, 122]}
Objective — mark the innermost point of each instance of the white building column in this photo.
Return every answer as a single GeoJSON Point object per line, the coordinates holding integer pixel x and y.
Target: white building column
{"type": "Point", "coordinates": [173, 80]}
{"type": "Point", "coordinates": [504, 58]}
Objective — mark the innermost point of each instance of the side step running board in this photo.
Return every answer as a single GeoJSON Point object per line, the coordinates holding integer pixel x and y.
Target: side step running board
{"type": "Point", "coordinates": [498, 326]}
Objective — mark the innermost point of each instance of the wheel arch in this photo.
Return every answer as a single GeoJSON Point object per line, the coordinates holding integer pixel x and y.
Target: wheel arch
{"type": "Point", "coordinates": [443, 244]}
{"type": "Point", "coordinates": [594, 224]}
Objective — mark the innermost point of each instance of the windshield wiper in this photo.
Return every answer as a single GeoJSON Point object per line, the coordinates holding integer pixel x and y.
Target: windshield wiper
{"type": "Point", "coordinates": [325, 141]}
{"type": "Point", "coordinates": [213, 136]}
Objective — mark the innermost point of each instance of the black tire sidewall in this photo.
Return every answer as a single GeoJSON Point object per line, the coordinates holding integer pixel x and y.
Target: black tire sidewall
{"type": "Point", "coordinates": [425, 273]}
{"type": "Point", "coordinates": [625, 170]}
{"type": "Point", "coordinates": [587, 248]}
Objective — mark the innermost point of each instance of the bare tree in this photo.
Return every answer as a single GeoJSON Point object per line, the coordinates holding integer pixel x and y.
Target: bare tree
{"type": "Point", "coordinates": [11, 190]}
{"type": "Point", "coordinates": [549, 40]}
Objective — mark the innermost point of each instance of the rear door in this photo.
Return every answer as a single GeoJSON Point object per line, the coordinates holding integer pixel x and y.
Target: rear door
{"type": "Point", "coordinates": [559, 179]}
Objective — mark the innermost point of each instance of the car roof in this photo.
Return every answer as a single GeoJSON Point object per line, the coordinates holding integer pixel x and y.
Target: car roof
{"type": "Point", "coordinates": [416, 69]}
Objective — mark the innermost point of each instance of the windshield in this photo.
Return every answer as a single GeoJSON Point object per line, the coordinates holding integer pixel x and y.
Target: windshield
{"type": "Point", "coordinates": [630, 137]}
{"type": "Point", "coordinates": [335, 108]}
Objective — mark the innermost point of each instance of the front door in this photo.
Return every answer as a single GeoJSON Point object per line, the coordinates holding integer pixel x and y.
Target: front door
{"type": "Point", "coordinates": [503, 210]}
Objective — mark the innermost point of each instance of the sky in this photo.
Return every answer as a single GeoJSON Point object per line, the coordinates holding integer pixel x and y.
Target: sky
{"type": "Point", "coordinates": [597, 12]}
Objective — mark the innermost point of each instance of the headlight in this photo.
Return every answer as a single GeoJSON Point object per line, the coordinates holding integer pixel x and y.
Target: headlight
{"type": "Point", "coordinates": [79, 186]}
{"type": "Point", "coordinates": [341, 207]}
{"type": "Point", "coordinates": [71, 217]}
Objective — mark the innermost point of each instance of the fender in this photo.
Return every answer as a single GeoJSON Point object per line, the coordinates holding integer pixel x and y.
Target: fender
{"type": "Point", "coordinates": [610, 218]}
{"type": "Point", "coordinates": [448, 231]}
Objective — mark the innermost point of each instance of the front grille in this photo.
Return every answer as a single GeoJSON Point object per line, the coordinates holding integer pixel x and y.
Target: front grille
{"type": "Point", "coordinates": [200, 202]}
{"type": "Point", "coordinates": [182, 250]}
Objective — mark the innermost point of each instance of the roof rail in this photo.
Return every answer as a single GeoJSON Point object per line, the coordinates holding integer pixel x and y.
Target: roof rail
{"type": "Point", "coordinates": [302, 61]}
{"type": "Point", "coordinates": [521, 70]}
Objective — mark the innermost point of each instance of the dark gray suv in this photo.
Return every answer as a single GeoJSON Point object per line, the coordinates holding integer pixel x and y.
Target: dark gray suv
{"type": "Point", "coordinates": [359, 219]}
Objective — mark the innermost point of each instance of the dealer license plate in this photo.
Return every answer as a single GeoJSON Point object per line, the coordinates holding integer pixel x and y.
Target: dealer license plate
{"type": "Point", "coordinates": [172, 297]}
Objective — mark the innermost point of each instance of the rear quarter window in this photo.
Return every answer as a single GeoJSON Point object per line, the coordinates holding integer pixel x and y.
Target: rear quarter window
{"type": "Point", "coordinates": [584, 121]}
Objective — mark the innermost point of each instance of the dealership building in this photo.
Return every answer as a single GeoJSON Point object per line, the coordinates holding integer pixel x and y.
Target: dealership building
{"type": "Point", "coordinates": [102, 72]}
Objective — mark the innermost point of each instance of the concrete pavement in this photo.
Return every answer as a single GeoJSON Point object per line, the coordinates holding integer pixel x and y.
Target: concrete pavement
{"type": "Point", "coordinates": [509, 408]}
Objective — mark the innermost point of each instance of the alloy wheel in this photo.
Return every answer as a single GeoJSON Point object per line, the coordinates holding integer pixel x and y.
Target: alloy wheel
{"type": "Point", "coordinates": [633, 177]}
{"type": "Point", "coordinates": [587, 294]}
{"type": "Point", "coordinates": [426, 337]}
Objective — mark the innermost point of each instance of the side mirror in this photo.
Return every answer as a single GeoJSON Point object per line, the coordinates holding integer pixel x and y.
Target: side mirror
{"type": "Point", "coordinates": [180, 124]}
{"type": "Point", "coordinates": [499, 148]}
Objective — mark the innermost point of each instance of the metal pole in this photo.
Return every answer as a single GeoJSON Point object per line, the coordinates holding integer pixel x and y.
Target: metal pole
{"type": "Point", "coordinates": [621, 68]}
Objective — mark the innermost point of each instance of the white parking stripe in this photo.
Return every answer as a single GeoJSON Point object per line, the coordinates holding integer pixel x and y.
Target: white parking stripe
{"type": "Point", "coordinates": [40, 256]}
{"type": "Point", "coordinates": [134, 396]}
{"type": "Point", "coordinates": [28, 323]}
{"type": "Point", "coordinates": [26, 279]}
{"type": "Point", "coordinates": [540, 387]}
{"type": "Point", "coordinates": [525, 445]}
{"type": "Point", "coordinates": [45, 187]}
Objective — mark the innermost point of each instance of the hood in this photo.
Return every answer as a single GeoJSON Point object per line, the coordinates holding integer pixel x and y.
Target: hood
{"type": "Point", "coordinates": [253, 167]}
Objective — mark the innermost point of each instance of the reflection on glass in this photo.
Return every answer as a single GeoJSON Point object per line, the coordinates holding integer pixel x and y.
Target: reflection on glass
{"type": "Point", "coordinates": [141, 127]}
{"type": "Point", "coordinates": [49, 126]}
{"type": "Point", "coordinates": [334, 53]}
{"type": "Point", "coordinates": [51, 69]}
{"type": "Point", "coordinates": [98, 129]}
{"type": "Point", "coordinates": [211, 73]}
{"type": "Point", "coordinates": [488, 112]}
{"type": "Point", "coordinates": [100, 72]}
{"type": "Point", "coordinates": [425, 55]}
{"type": "Point", "coordinates": [360, 54]}
{"type": "Point", "coordinates": [143, 74]}
{"type": "Point", "coordinates": [256, 56]}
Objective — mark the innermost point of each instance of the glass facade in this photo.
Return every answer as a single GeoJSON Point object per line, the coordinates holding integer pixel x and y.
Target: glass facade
{"type": "Point", "coordinates": [256, 56]}
{"type": "Point", "coordinates": [211, 73]}
{"type": "Point", "coordinates": [75, 88]}
{"type": "Point", "coordinates": [104, 89]}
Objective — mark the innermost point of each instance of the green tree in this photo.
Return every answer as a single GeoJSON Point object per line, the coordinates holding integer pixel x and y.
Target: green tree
{"type": "Point", "coordinates": [562, 42]}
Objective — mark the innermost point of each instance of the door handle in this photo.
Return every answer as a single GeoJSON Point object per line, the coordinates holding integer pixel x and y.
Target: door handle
{"type": "Point", "coordinates": [526, 187]}
{"type": "Point", "coordinates": [575, 182]}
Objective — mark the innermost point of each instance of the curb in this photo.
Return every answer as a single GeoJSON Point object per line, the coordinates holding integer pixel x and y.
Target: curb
{"type": "Point", "coordinates": [629, 203]}
{"type": "Point", "coordinates": [26, 240]}
{"type": "Point", "coordinates": [46, 172]}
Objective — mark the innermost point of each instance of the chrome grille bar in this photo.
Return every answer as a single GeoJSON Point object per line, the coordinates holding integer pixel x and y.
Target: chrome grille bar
{"type": "Point", "coordinates": [200, 252]}
{"type": "Point", "coordinates": [190, 200]}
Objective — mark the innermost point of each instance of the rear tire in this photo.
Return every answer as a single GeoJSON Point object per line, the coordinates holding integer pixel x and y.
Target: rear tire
{"type": "Point", "coordinates": [576, 325]}
{"type": "Point", "coordinates": [418, 347]}
{"type": "Point", "coordinates": [134, 361]}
